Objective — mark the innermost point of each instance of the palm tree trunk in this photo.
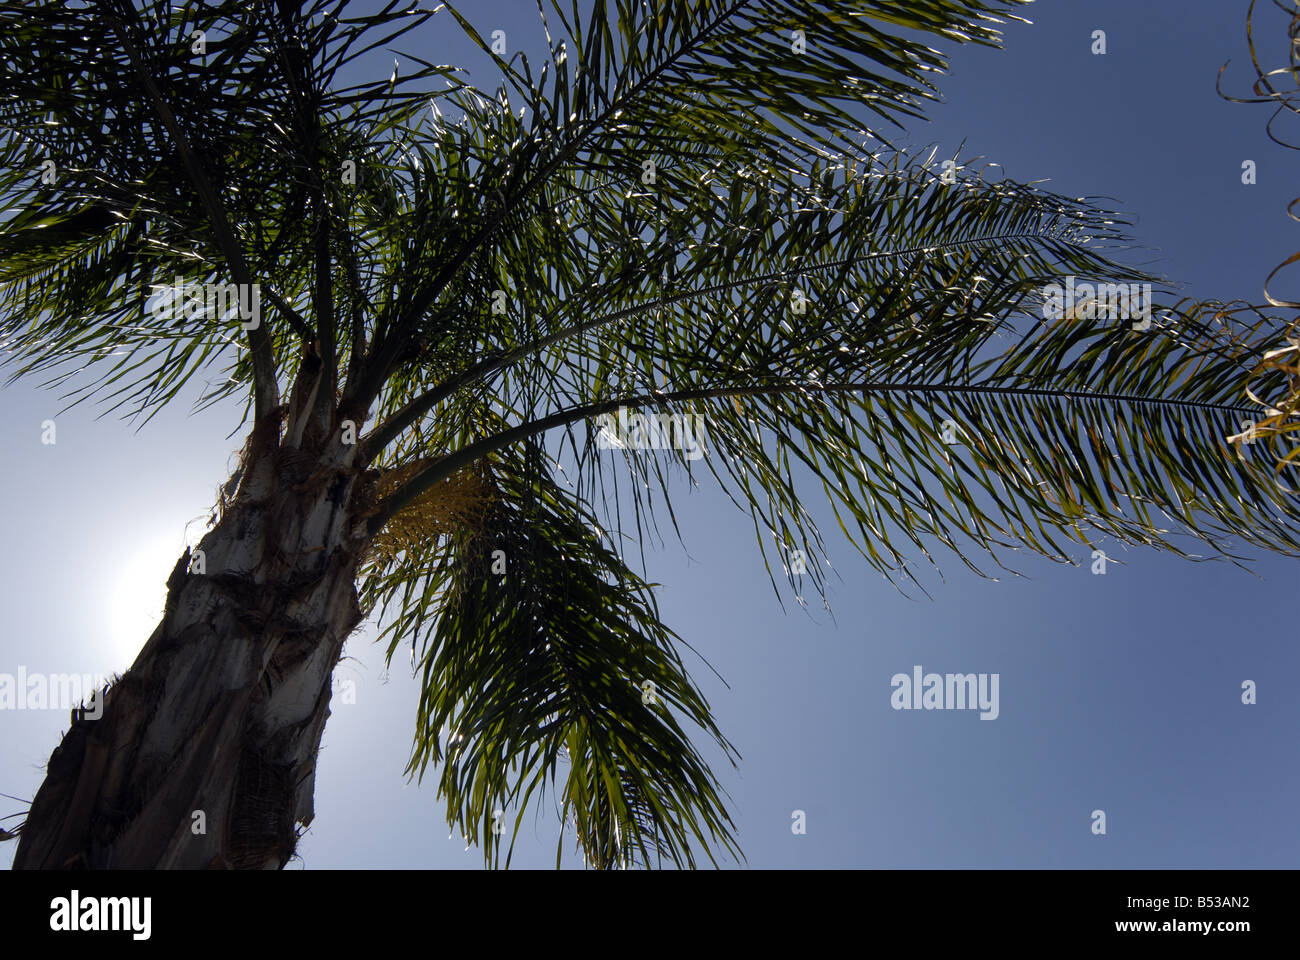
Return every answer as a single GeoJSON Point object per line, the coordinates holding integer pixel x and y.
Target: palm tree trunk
{"type": "Point", "coordinates": [205, 754]}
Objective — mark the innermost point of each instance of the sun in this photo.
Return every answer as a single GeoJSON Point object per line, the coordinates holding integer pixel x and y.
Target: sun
{"type": "Point", "coordinates": [137, 591]}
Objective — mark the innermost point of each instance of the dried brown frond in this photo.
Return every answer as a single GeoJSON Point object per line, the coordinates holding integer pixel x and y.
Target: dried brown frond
{"type": "Point", "coordinates": [1271, 87]}
{"type": "Point", "coordinates": [1283, 416]}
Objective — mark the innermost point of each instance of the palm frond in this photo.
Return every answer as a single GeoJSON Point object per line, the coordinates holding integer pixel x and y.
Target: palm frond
{"type": "Point", "coordinates": [544, 661]}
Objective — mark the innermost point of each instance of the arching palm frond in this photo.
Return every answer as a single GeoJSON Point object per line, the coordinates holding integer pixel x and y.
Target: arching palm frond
{"type": "Point", "coordinates": [544, 662]}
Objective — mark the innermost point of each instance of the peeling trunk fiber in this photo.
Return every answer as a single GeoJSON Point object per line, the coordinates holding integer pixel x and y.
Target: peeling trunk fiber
{"type": "Point", "coordinates": [223, 710]}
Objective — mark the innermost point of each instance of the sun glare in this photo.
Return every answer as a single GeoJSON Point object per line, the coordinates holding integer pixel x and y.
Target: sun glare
{"type": "Point", "coordinates": [137, 591]}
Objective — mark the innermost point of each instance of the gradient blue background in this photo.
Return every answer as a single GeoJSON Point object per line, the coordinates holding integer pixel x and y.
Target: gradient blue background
{"type": "Point", "coordinates": [1118, 692]}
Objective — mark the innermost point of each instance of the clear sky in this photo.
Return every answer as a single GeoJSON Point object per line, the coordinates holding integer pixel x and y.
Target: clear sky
{"type": "Point", "coordinates": [1119, 692]}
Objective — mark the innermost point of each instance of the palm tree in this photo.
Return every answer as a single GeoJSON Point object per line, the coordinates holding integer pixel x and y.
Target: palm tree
{"type": "Point", "coordinates": [683, 213]}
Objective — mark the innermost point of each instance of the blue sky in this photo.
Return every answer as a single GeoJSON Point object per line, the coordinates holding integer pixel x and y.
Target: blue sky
{"type": "Point", "coordinates": [1119, 692]}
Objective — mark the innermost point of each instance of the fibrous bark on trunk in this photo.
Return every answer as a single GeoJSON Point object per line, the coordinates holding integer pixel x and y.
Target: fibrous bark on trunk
{"type": "Point", "coordinates": [205, 753]}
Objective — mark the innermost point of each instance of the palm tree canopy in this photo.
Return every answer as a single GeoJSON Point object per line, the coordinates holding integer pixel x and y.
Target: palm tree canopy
{"type": "Point", "coordinates": [684, 207]}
